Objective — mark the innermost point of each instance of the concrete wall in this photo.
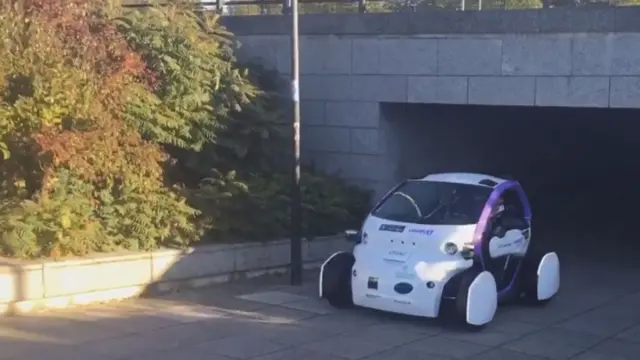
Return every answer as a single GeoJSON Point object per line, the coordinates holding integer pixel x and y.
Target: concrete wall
{"type": "Point", "coordinates": [585, 70]}
{"type": "Point", "coordinates": [28, 286]}
{"type": "Point", "coordinates": [352, 63]}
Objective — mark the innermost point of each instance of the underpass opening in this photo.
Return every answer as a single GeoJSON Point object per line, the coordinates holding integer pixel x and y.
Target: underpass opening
{"type": "Point", "coordinates": [579, 166]}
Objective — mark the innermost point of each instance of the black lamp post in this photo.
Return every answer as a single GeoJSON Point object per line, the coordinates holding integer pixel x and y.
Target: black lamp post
{"type": "Point", "coordinates": [296, 201]}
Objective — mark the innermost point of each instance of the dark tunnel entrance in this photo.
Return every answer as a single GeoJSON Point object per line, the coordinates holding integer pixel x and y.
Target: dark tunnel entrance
{"type": "Point", "coordinates": [579, 166]}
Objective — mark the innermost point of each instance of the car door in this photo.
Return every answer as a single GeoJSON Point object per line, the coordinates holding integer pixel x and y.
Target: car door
{"type": "Point", "coordinates": [507, 236]}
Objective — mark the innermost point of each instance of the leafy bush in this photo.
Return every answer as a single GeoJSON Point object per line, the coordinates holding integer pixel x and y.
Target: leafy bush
{"type": "Point", "coordinates": [139, 129]}
{"type": "Point", "coordinates": [259, 207]}
{"type": "Point", "coordinates": [196, 84]}
{"type": "Point", "coordinates": [236, 170]}
{"type": "Point", "coordinates": [76, 176]}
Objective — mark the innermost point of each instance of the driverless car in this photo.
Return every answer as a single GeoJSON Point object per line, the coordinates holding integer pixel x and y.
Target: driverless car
{"type": "Point", "coordinates": [450, 245]}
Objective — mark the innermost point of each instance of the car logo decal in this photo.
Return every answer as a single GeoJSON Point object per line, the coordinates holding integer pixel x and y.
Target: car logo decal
{"type": "Point", "coordinates": [403, 288]}
{"type": "Point", "coordinates": [392, 228]}
{"type": "Point", "coordinates": [427, 232]}
{"type": "Point", "coordinates": [397, 253]}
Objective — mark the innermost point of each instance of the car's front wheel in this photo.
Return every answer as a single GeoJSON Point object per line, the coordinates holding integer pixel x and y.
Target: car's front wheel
{"type": "Point", "coordinates": [469, 299]}
{"type": "Point", "coordinates": [477, 299]}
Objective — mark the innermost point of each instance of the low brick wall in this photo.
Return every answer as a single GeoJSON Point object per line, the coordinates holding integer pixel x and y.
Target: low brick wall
{"type": "Point", "coordinates": [33, 285]}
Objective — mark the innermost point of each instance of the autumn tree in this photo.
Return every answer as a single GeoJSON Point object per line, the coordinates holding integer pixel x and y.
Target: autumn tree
{"type": "Point", "coordinates": [222, 124]}
{"type": "Point", "coordinates": [76, 176]}
{"type": "Point", "coordinates": [138, 129]}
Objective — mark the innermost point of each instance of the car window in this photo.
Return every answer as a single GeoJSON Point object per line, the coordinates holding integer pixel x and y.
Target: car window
{"type": "Point", "coordinates": [434, 203]}
{"type": "Point", "coordinates": [512, 217]}
{"type": "Point", "coordinates": [513, 204]}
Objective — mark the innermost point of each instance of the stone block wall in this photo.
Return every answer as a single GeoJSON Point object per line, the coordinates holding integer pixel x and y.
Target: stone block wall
{"type": "Point", "coordinates": [351, 64]}
{"type": "Point", "coordinates": [580, 70]}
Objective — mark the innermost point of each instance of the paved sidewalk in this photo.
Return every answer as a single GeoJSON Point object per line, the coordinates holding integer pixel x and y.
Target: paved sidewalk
{"type": "Point", "coordinates": [595, 317]}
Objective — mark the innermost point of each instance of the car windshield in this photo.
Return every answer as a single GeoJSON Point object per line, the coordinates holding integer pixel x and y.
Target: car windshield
{"type": "Point", "coordinates": [434, 203]}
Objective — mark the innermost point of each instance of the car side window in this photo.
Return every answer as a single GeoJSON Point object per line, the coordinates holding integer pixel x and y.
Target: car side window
{"type": "Point", "coordinates": [513, 215]}
{"type": "Point", "coordinates": [513, 204]}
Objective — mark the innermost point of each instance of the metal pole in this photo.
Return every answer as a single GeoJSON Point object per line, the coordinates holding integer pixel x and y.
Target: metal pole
{"type": "Point", "coordinates": [362, 6]}
{"type": "Point", "coordinates": [296, 201]}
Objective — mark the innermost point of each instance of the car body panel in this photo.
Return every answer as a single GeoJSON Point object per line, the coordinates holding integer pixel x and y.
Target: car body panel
{"type": "Point", "coordinates": [407, 253]}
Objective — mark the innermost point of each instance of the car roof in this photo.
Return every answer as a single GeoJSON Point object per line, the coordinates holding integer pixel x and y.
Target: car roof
{"type": "Point", "coordinates": [466, 178]}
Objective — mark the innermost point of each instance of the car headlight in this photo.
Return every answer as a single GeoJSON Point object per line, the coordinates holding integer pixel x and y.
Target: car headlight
{"type": "Point", "coordinates": [450, 248]}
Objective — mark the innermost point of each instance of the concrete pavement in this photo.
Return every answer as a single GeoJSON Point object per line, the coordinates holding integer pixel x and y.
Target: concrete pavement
{"type": "Point", "coordinates": [595, 317]}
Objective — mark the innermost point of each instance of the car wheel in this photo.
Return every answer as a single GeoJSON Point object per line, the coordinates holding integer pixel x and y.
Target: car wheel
{"type": "Point", "coordinates": [466, 293]}
{"type": "Point", "coordinates": [529, 279]}
{"type": "Point", "coordinates": [337, 281]}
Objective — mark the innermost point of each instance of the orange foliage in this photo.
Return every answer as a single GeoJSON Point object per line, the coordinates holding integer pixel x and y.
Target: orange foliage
{"type": "Point", "coordinates": [91, 42]}
{"type": "Point", "coordinates": [103, 148]}
{"type": "Point", "coordinates": [79, 178]}
{"type": "Point", "coordinates": [109, 152]}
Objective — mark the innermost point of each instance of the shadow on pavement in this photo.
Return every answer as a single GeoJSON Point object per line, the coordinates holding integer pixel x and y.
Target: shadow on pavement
{"type": "Point", "coordinates": [265, 319]}
{"type": "Point", "coordinates": [594, 317]}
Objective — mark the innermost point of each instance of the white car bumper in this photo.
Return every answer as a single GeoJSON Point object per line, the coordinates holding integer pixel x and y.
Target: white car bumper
{"type": "Point", "coordinates": [423, 300]}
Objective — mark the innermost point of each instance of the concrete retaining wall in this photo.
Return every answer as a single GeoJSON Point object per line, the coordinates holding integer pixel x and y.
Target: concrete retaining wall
{"type": "Point", "coordinates": [533, 21]}
{"type": "Point", "coordinates": [28, 286]}
{"type": "Point", "coordinates": [353, 65]}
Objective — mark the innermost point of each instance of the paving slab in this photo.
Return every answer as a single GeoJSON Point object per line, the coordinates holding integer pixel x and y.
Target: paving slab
{"type": "Point", "coordinates": [347, 347]}
{"type": "Point", "coordinates": [297, 353]}
{"type": "Point", "coordinates": [270, 320]}
{"type": "Point", "coordinates": [504, 354]}
{"type": "Point", "coordinates": [554, 343]}
{"type": "Point", "coordinates": [272, 297]}
{"type": "Point", "coordinates": [443, 346]}
{"type": "Point", "coordinates": [607, 324]}
{"type": "Point", "coordinates": [390, 334]}
{"type": "Point", "coordinates": [242, 346]}
{"type": "Point", "coordinates": [617, 349]}
{"type": "Point", "coordinates": [294, 335]}
{"type": "Point", "coordinates": [503, 323]}
{"type": "Point", "coordinates": [184, 353]}
{"type": "Point", "coordinates": [341, 322]}
{"type": "Point", "coordinates": [631, 334]}
{"type": "Point", "coordinates": [487, 337]}
{"type": "Point", "coordinates": [312, 306]}
{"type": "Point", "coordinates": [276, 315]}
{"type": "Point", "coordinates": [404, 353]}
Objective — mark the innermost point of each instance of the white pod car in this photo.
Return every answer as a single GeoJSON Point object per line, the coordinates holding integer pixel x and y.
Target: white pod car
{"type": "Point", "coordinates": [451, 244]}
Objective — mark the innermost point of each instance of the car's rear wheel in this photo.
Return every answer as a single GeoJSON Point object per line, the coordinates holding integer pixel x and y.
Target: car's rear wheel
{"type": "Point", "coordinates": [336, 280]}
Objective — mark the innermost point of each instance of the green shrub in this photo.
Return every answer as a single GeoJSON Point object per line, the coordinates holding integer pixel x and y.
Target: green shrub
{"type": "Point", "coordinates": [195, 82]}
{"type": "Point", "coordinates": [76, 176]}
{"type": "Point", "coordinates": [235, 169]}
{"type": "Point", "coordinates": [133, 130]}
{"type": "Point", "coordinates": [259, 208]}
